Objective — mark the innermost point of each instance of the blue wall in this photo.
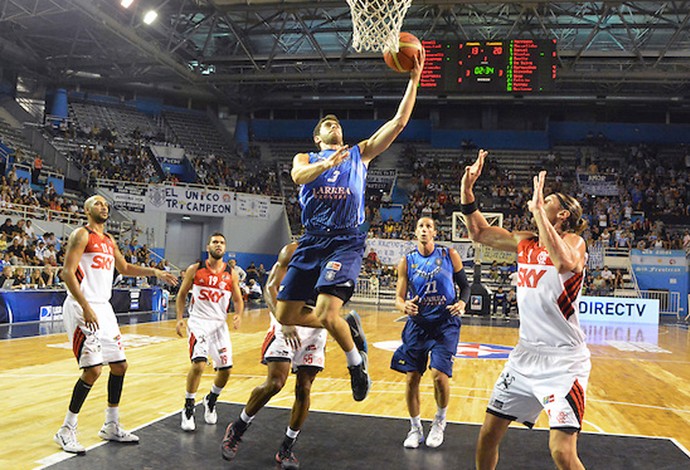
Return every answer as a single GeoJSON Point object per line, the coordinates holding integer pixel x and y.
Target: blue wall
{"type": "Point", "coordinates": [421, 131]}
{"type": "Point", "coordinates": [355, 130]}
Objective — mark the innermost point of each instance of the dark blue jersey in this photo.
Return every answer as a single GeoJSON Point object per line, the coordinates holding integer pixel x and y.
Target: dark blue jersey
{"type": "Point", "coordinates": [335, 199]}
{"type": "Point", "coordinates": [431, 278]}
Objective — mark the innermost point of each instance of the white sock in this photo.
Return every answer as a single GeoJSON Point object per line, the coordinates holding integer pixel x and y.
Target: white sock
{"type": "Point", "coordinates": [245, 417]}
{"type": "Point", "coordinates": [112, 414]}
{"type": "Point", "coordinates": [291, 433]}
{"type": "Point", "coordinates": [354, 358]}
{"type": "Point", "coordinates": [188, 395]}
{"type": "Point", "coordinates": [70, 419]}
{"type": "Point", "coordinates": [441, 413]}
{"type": "Point", "coordinates": [416, 422]}
{"type": "Point", "coordinates": [216, 390]}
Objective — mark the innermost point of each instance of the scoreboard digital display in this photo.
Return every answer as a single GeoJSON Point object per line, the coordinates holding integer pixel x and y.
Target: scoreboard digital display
{"type": "Point", "coordinates": [511, 66]}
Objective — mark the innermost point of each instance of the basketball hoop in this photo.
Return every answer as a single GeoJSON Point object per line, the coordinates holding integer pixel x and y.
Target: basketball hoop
{"type": "Point", "coordinates": [377, 23]}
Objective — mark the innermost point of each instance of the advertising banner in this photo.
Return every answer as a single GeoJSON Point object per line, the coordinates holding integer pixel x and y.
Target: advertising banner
{"type": "Point", "coordinates": [665, 270]}
{"type": "Point", "coordinates": [619, 310]}
{"type": "Point", "coordinates": [129, 197]}
{"type": "Point", "coordinates": [598, 185]}
{"type": "Point", "coordinates": [189, 200]}
{"type": "Point", "coordinates": [249, 205]}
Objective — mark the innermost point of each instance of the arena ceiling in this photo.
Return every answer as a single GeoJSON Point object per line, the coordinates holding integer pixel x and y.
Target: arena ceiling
{"type": "Point", "coordinates": [267, 51]}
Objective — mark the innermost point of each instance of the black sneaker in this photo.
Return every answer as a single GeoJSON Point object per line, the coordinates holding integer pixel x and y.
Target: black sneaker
{"type": "Point", "coordinates": [231, 441]}
{"type": "Point", "coordinates": [287, 460]}
{"type": "Point", "coordinates": [356, 330]}
{"type": "Point", "coordinates": [359, 379]}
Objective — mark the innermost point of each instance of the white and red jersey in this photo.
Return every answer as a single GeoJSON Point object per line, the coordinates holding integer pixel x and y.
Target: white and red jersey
{"type": "Point", "coordinates": [547, 300]}
{"type": "Point", "coordinates": [211, 293]}
{"type": "Point", "coordinates": [96, 268]}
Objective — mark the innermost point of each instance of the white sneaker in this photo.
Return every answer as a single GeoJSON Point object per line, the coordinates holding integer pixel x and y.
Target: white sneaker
{"type": "Point", "coordinates": [66, 437]}
{"type": "Point", "coordinates": [435, 437]}
{"type": "Point", "coordinates": [187, 423]}
{"type": "Point", "coordinates": [210, 415]}
{"type": "Point", "coordinates": [112, 431]}
{"type": "Point", "coordinates": [414, 438]}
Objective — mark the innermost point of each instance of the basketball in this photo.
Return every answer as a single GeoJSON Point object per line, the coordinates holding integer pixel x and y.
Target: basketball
{"type": "Point", "coordinates": [403, 60]}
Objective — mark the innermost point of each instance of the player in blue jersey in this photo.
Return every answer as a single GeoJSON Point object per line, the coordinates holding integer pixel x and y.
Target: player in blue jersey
{"type": "Point", "coordinates": [329, 255]}
{"type": "Point", "coordinates": [426, 294]}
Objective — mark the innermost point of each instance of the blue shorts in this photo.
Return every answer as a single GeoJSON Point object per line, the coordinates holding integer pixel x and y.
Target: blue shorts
{"type": "Point", "coordinates": [321, 262]}
{"type": "Point", "coordinates": [420, 339]}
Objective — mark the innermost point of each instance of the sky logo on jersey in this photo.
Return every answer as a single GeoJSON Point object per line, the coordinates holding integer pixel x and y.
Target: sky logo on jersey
{"type": "Point", "coordinates": [528, 277]}
{"type": "Point", "coordinates": [464, 350]}
{"type": "Point", "coordinates": [207, 294]}
{"type": "Point", "coordinates": [102, 262]}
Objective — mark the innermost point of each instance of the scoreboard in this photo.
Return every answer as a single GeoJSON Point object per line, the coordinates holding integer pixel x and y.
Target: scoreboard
{"type": "Point", "coordinates": [511, 66]}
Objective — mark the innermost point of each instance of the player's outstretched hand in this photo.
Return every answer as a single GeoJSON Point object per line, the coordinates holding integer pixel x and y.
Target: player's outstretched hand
{"type": "Point", "coordinates": [291, 336]}
{"type": "Point", "coordinates": [411, 307]}
{"type": "Point", "coordinates": [166, 277]}
{"type": "Point", "coordinates": [179, 328]}
{"type": "Point", "coordinates": [339, 156]}
{"type": "Point", "coordinates": [537, 202]}
{"type": "Point", "coordinates": [457, 309]}
{"type": "Point", "coordinates": [236, 321]}
{"type": "Point", "coordinates": [416, 72]}
{"type": "Point", "coordinates": [473, 171]}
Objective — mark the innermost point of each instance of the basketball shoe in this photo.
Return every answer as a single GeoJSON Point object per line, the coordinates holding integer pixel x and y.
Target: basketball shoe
{"type": "Point", "coordinates": [359, 378]}
{"type": "Point", "coordinates": [210, 414]}
{"type": "Point", "coordinates": [435, 437]}
{"type": "Point", "coordinates": [187, 423]}
{"type": "Point", "coordinates": [286, 459]}
{"type": "Point", "coordinates": [414, 438]}
{"type": "Point", "coordinates": [112, 431]}
{"type": "Point", "coordinates": [231, 442]}
{"type": "Point", "coordinates": [66, 437]}
{"type": "Point", "coordinates": [355, 323]}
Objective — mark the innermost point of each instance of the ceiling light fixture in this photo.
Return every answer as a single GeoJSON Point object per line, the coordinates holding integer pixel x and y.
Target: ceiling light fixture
{"type": "Point", "coordinates": [150, 16]}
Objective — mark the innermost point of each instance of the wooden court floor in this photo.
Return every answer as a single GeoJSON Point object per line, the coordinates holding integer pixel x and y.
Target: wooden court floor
{"type": "Point", "coordinates": [642, 392]}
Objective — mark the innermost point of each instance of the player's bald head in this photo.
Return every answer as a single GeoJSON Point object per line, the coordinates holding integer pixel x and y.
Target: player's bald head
{"type": "Point", "coordinates": [88, 204]}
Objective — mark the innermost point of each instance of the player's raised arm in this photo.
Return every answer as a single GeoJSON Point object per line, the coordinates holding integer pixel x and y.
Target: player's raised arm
{"type": "Point", "coordinates": [479, 229]}
{"type": "Point", "coordinates": [386, 134]}
{"type": "Point", "coordinates": [567, 252]}
{"type": "Point", "coordinates": [181, 298]}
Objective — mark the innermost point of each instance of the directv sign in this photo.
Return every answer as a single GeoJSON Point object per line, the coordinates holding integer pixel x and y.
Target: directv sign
{"type": "Point", "coordinates": [619, 310]}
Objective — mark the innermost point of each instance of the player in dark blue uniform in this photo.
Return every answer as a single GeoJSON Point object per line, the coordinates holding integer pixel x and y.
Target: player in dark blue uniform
{"type": "Point", "coordinates": [329, 256]}
{"type": "Point", "coordinates": [426, 293]}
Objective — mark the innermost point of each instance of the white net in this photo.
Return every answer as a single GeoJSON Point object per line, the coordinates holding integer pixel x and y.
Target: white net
{"type": "Point", "coordinates": [376, 23]}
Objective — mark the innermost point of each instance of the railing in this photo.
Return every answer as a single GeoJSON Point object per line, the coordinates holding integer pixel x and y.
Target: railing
{"type": "Point", "coordinates": [669, 302]}
{"type": "Point", "coordinates": [367, 291]}
{"type": "Point", "coordinates": [44, 171]}
{"type": "Point", "coordinates": [41, 213]}
{"type": "Point", "coordinates": [66, 218]}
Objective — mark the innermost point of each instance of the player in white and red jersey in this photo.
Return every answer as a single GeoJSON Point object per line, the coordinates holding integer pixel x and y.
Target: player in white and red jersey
{"type": "Point", "coordinates": [304, 347]}
{"type": "Point", "coordinates": [549, 368]}
{"type": "Point", "coordinates": [213, 284]}
{"type": "Point", "coordinates": [90, 261]}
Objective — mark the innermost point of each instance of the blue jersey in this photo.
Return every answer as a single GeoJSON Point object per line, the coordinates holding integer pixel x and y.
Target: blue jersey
{"type": "Point", "coordinates": [431, 278]}
{"type": "Point", "coordinates": [335, 199]}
